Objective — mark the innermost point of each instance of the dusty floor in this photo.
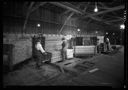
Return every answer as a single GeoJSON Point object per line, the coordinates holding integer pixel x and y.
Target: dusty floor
{"type": "Point", "coordinates": [110, 72]}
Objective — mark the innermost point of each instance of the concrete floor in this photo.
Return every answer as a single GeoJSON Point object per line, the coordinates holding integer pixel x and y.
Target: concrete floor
{"type": "Point", "coordinates": [110, 73]}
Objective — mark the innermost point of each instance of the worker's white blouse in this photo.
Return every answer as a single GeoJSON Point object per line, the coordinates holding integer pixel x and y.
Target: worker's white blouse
{"type": "Point", "coordinates": [39, 47]}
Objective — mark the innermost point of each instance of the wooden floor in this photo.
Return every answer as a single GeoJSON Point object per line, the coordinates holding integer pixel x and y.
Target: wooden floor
{"type": "Point", "coordinates": [108, 70]}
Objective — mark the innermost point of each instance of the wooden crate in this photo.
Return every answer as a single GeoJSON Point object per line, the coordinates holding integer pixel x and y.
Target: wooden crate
{"type": "Point", "coordinates": [70, 53]}
{"type": "Point", "coordinates": [22, 51]}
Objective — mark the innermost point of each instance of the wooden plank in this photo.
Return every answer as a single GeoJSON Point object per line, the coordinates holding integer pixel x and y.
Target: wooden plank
{"type": "Point", "coordinates": [86, 65]}
{"type": "Point", "coordinates": [63, 67]}
{"type": "Point", "coordinates": [68, 65]}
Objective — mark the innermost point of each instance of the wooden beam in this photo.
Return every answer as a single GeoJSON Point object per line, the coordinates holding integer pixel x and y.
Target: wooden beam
{"type": "Point", "coordinates": [41, 4]}
{"type": "Point", "coordinates": [69, 9]}
{"type": "Point", "coordinates": [86, 7]}
{"type": "Point", "coordinates": [102, 20]}
{"type": "Point", "coordinates": [105, 21]}
{"type": "Point", "coordinates": [115, 20]}
{"type": "Point", "coordinates": [68, 65]}
{"type": "Point", "coordinates": [28, 12]}
{"type": "Point", "coordinates": [106, 11]}
{"type": "Point", "coordinates": [115, 17]}
{"type": "Point", "coordinates": [83, 12]}
{"type": "Point", "coordinates": [104, 6]}
{"type": "Point", "coordinates": [92, 6]}
{"type": "Point", "coordinates": [78, 6]}
{"type": "Point", "coordinates": [92, 16]}
{"type": "Point", "coordinates": [66, 21]}
{"type": "Point", "coordinates": [68, 6]}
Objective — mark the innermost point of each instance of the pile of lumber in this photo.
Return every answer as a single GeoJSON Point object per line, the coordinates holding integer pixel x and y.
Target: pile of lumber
{"type": "Point", "coordinates": [83, 50]}
{"type": "Point", "coordinates": [53, 45]}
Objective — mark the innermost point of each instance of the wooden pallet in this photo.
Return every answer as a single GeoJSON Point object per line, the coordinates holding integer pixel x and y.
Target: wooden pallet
{"type": "Point", "coordinates": [73, 64]}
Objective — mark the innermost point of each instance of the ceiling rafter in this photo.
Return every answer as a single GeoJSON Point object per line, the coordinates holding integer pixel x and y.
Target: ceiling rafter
{"type": "Point", "coordinates": [105, 11]}
{"type": "Point", "coordinates": [100, 19]}
{"type": "Point", "coordinates": [27, 15]}
{"type": "Point", "coordinates": [36, 7]}
{"type": "Point", "coordinates": [114, 16]}
{"type": "Point", "coordinates": [67, 11]}
{"type": "Point", "coordinates": [114, 20]}
{"type": "Point", "coordinates": [104, 6]}
{"type": "Point", "coordinates": [75, 9]}
{"type": "Point", "coordinates": [86, 7]}
{"type": "Point", "coordinates": [92, 16]}
{"type": "Point", "coordinates": [66, 21]}
{"type": "Point", "coordinates": [68, 6]}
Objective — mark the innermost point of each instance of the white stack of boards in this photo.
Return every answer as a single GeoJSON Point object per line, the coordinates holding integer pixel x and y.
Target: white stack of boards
{"type": "Point", "coordinates": [70, 53]}
{"type": "Point", "coordinates": [84, 50]}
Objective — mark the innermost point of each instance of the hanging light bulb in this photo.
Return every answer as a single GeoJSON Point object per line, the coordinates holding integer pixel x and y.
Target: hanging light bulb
{"type": "Point", "coordinates": [78, 30]}
{"type": "Point", "coordinates": [125, 15]}
{"type": "Point", "coordinates": [106, 32]}
{"type": "Point", "coordinates": [122, 26]}
{"type": "Point", "coordinates": [96, 9]}
{"type": "Point", "coordinates": [113, 33]}
{"type": "Point", "coordinates": [38, 25]}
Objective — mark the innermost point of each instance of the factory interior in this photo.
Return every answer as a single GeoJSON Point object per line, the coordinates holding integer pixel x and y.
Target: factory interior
{"type": "Point", "coordinates": [64, 43]}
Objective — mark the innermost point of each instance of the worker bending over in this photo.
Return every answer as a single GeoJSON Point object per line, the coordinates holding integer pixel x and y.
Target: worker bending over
{"type": "Point", "coordinates": [41, 54]}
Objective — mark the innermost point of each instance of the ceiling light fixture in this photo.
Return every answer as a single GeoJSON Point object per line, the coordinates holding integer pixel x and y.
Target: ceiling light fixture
{"type": "Point", "coordinates": [113, 33]}
{"type": "Point", "coordinates": [78, 29]}
{"type": "Point", "coordinates": [122, 26]}
{"type": "Point", "coordinates": [106, 32]}
{"type": "Point", "coordinates": [124, 15]}
{"type": "Point", "coordinates": [38, 25]}
{"type": "Point", "coordinates": [96, 8]}
{"type": "Point", "coordinates": [96, 32]}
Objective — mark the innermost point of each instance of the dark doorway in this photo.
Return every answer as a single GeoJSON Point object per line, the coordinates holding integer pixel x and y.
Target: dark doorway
{"type": "Point", "coordinates": [79, 41]}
